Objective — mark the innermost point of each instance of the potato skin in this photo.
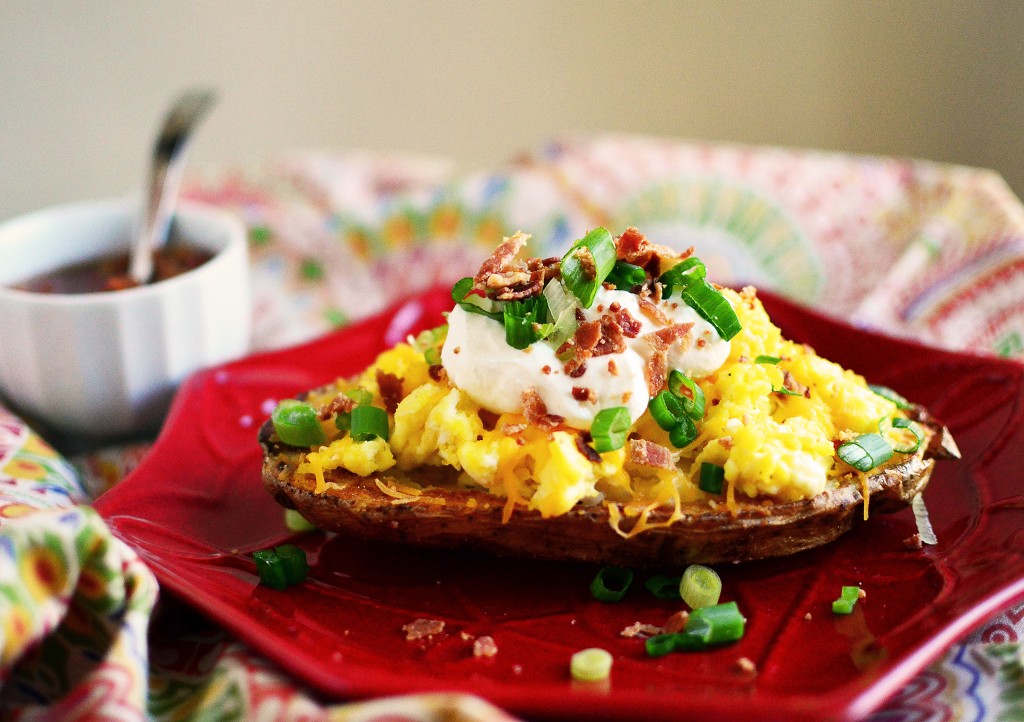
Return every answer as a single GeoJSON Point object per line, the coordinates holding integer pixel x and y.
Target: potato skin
{"type": "Point", "coordinates": [472, 519]}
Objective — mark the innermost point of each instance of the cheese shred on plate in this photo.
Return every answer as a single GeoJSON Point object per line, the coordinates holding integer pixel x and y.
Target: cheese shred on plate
{"type": "Point", "coordinates": [617, 374]}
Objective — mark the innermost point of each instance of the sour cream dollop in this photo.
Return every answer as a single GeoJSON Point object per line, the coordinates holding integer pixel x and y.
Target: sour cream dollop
{"type": "Point", "coordinates": [495, 375]}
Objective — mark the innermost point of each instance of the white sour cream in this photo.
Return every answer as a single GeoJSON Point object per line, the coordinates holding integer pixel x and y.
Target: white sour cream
{"type": "Point", "coordinates": [480, 363]}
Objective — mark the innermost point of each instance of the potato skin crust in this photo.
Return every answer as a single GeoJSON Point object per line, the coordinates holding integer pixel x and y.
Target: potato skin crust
{"type": "Point", "coordinates": [472, 519]}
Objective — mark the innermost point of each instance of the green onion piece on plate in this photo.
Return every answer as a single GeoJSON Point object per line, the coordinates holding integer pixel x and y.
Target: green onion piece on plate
{"type": "Point", "coordinates": [865, 452]}
{"type": "Point", "coordinates": [716, 624]}
{"type": "Point", "coordinates": [369, 422]}
{"type": "Point", "coordinates": [590, 665]}
{"type": "Point", "coordinates": [581, 276]}
{"type": "Point", "coordinates": [293, 561]}
{"type": "Point", "coordinates": [713, 307]}
{"type": "Point", "coordinates": [847, 599]}
{"type": "Point", "coordinates": [691, 394]}
{"type": "Point", "coordinates": [610, 429]}
{"type": "Point", "coordinates": [700, 586]}
{"type": "Point", "coordinates": [712, 478]}
{"type": "Point", "coordinates": [660, 645]}
{"type": "Point", "coordinates": [663, 586]}
{"type": "Point", "coordinates": [296, 423]}
{"type": "Point", "coordinates": [270, 569]}
{"type": "Point", "coordinates": [611, 583]}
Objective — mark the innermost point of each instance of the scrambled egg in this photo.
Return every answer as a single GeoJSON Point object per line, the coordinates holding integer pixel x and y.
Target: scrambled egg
{"type": "Point", "coordinates": [771, 426]}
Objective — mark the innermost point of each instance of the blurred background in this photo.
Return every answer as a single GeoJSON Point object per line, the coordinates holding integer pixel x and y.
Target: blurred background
{"type": "Point", "coordinates": [83, 86]}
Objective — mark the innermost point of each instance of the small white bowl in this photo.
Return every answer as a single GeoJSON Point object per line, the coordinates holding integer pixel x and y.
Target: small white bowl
{"type": "Point", "coordinates": [105, 365]}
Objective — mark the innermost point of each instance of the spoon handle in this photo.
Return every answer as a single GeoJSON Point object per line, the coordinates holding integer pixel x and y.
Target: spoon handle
{"type": "Point", "coordinates": [165, 178]}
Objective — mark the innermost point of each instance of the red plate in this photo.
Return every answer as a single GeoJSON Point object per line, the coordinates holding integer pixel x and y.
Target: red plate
{"type": "Point", "coordinates": [195, 510]}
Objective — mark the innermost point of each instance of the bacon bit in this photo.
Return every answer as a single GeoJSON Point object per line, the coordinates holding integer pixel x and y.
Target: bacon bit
{"type": "Point", "coordinates": [575, 368]}
{"type": "Point", "coordinates": [656, 291]}
{"type": "Point", "coordinates": [546, 370]}
{"type": "Point", "coordinates": [437, 372]}
{"type": "Point", "coordinates": [502, 276]}
{"type": "Point", "coordinates": [340, 404]}
{"type": "Point", "coordinates": [652, 311]}
{"type": "Point", "coordinates": [702, 342]}
{"type": "Point", "coordinates": [630, 326]}
{"type": "Point", "coordinates": [611, 340]}
{"type": "Point", "coordinates": [647, 453]}
{"type": "Point", "coordinates": [861, 594]}
{"type": "Point", "coordinates": [484, 647]}
{"type": "Point", "coordinates": [656, 371]}
{"type": "Point", "coordinates": [587, 336]}
{"type": "Point", "coordinates": [807, 617]}
{"type": "Point", "coordinates": [420, 628]}
{"type": "Point", "coordinates": [589, 452]}
{"type": "Point", "coordinates": [488, 418]}
{"type": "Point", "coordinates": [725, 442]}
{"type": "Point", "coordinates": [390, 390]}
{"type": "Point", "coordinates": [748, 294]}
{"type": "Point", "coordinates": [536, 412]}
{"type": "Point", "coordinates": [502, 257]}
{"type": "Point", "coordinates": [671, 334]}
{"type": "Point", "coordinates": [639, 629]}
{"type": "Point", "coordinates": [633, 247]}
{"type": "Point", "coordinates": [513, 429]}
{"type": "Point", "coordinates": [790, 383]}
{"type": "Point", "coordinates": [456, 350]}
{"type": "Point", "coordinates": [613, 369]}
{"type": "Point", "coordinates": [587, 263]}
{"type": "Point", "coordinates": [547, 267]}
{"type": "Point", "coordinates": [614, 307]}
{"type": "Point", "coordinates": [913, 542]}
{"type": "Point", "coordinates": [583, 393]}
{"type": "Point", "coordinates": [677, 622]}
{"type": "Point", "coordinates": [746, 665]}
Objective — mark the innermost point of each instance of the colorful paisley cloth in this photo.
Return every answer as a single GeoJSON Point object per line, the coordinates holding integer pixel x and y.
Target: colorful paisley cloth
{"type": "Point", "coordinates": [83, 631]}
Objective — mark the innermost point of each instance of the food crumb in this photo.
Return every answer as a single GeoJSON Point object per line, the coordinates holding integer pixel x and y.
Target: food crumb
{"type": "Point", "coordinates": [484, 646]}
{"type": "Point", "coordinates": [639, 629]}
{"type": "Point", "coordinates": [913, 542]}
{"type": "Point", "coordinates": [746, 665]}
{"type": "Point", "coordinates": [421, 628]}
{"type": "Point", "coordinates": [807, 617]}
{"type": "Point", "coordinates": [677, 622]}
{"type": "Point", "coordinates": [861, 594]}
{"type": "Point", "coordinates": [465, 636]}
{"type": "Point", "coordinates": [517, 669]}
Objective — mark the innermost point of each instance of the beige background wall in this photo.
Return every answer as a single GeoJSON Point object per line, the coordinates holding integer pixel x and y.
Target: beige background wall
{"type": "Point", "coordinates": [83, 85]}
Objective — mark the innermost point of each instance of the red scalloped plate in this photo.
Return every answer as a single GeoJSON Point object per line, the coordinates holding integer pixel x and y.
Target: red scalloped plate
{"type": "Point", "coordinates": [195, 510]}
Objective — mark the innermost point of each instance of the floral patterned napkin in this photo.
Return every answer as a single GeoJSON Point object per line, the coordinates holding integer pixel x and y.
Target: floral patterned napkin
{"type": "Point", "coordinates": [921, 250]}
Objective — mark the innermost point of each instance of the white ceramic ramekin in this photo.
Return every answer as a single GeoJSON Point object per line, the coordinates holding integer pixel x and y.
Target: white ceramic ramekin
{"type": "Point", "coordinates": [105, 365]}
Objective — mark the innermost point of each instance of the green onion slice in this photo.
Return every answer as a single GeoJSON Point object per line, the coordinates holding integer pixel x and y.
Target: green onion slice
{"type": "Point", "coordinates": [899, 422]}
{"type": "Point", "coordinates": [270, 569]}
{"type": "Point", "coordinates": [684, 434]}
{"type": "Point", "coordinates": [886, 393]}
{"type": "Point", "coordinates": [561, 312]}
{"type": "Point", "coordinates": [296, 423]}
{"type": "Point", "coordinates": [610, 429]}
{"type": "Point", "coordinates": [713, 307]}
{"type": "Point", "coordinates": [361, 396]}
{"type": "Point", "coordinates": [296, 522]}
{"type": "Point", "coordinates": [590, 665]}
{"type": "Point", "coordinates": [700, 586]}
{"type": "Point", "coordinates": [663, 586]}
{"type": "Point", "coordinates": [473, 302]}
{"type": "Point", "coordinates": [712, 478]}
{"type": "Point", "coordinates": [865, 452]}
{"type": "Point", "coordinates": [524, 322]}
{"type": "Point", "coordinates": [601, 247]}
{"type": "Point", "coordinates": [785, 392]}
{"type": "Point", "coordinates": [691, 394]}
{"type": "Point", "coordinates": [660, 645]}
{"type": "Point", "coordinates": [611, 583]}
{"type": "Point", "coordinates": [716, 624]}
{"type": "Point", "coordinates": [847, 599]}
{"type": "Point", "coordinates": [626, 276]}
{"type": "Point", "coordinates": [765, 359]}
{"type": "Point", "coordinates": [667, 410]}
{"type": "Point", "coordinates": [369, 422]}
{"type": "Point", "coordinates": [293, 560]}
{"type": "Point", "coordinates": [689, 270]}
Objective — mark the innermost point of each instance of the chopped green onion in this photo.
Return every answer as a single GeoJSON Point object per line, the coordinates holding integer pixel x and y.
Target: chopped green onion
{"type": "Point", "coordinates": [473, 302]}
{"type": "Point", "coordinates": [684, 434]}
{"type": "Point", "coordinates": [713, 307]}
{"type": "Point", "coordinates": [712, 478]}
{"type": "Point", "coordinates": [429, 342]}
{"type": "Point", "coordinates": [667, 410]}
{"type": "Point", "coordinates": [281, 566]}
{"type": "Point", "coordinates": [689, 270]}
{"type": "Point", "coordinates": [716, 624]}
{"type": "Point", "coordinates": [663, 586]}
{"type": "Point", "coordinates": [785, 392]}
{"type": "Point", "coordinates": [611, 583]}
{"type": "Point", "coordinates": [343, 421]}
{"type": "Point", "coordinates": [361, 396]}
{"type": "Point", "coordinates": [900, 423]}
{"type": "Point", "coordinates": [847, 599]}
{"type": "Point", "coordinates": [765, 359]}
{"type": "Point", "coordinates": [610, 429]}
{"type": "Point", "coordinates": [700, 586]}
{"type": "Point", "coordinates": [590, 665]}
{"type": "Point", "coordinates": [296, 423]}
{"type": "Point", "coordinates": [296, 522]}
{"type": "Point", "coordinates": [692, 639]}
{"type": "Point", "coordinates": [660, 645]}
{"type": "Point", "coordinates": [886, 393]}
{"type": "Point", "coordinates": [293, 559]}
{"type": "Point", "coordinates": [626, 275]}
{"type": "Point", "coordinates": [865, 452]}
{"type": "Point", "coordinates": [561, 312]}
{"type": "Point", "coordinates": [687, 389]}
{"type": "Point", "coordinates": [523, 322]}
{"type": "Point", "coordinates": [369, 422]}
{"type": "Point", "coordinates": [599, 244]}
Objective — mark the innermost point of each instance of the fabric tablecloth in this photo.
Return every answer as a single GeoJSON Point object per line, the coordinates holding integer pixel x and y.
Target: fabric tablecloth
{"type": "Point", "coordinates": [917, 249]}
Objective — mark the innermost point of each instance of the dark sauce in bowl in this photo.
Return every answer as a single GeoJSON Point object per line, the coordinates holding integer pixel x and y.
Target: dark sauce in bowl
{"type": "Point", "coordinates": [110, 273]}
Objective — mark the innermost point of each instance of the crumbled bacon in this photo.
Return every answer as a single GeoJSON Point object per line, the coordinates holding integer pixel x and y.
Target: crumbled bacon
{"type": "Point", "coordinates": [437, 372]}
{"type": "Point", "coordinates": [420, 628]}
{"type": "Point", "coordinates": [587, 263]}
{"type": "Point", "coordinates": [652, 311]}
{"type": "Point", "coordinates": [513, 429]}
{"type": "Point", "coordinates": [587, 336]}
{"type": "Point", "coordinates": [340, 404]}
{"type": "Point", "coordinates": [647, 453]}
{"type": "Point", "coordinates": [488, 418]}
{"type": "Point", "coordinates": [790, 383]}
{"type": "Point", "coordinates": [584, 393]}
{"type": "Point", "coordinates": [506, 278]}
{"type": "Point", "coordinates": [641, 630]}
{"type": "Point", "coordinates": [613, 368]}
{"type": "Point", "coordinates": [589, 452]}
{"type": "Point", "coordinates": [611, 340]}
{"type": "Point", "coordinates": [746, 665]}
{"type": "Point", "coordinates": [502, 259]}
{"type": "Point", "coordinates": [548, 268]}
{"type": "Point", "coordinates": [656, 371]}
{"type": "Point", "coordinates": [633, 247]}
{"type": "Point", "coordinates": [913, 542]}
{"type": "Point", "coordinates": [536, 412]}
{"type": "Point", "coordinates": [629, 325]}
{"type": "Point", "coordinates": [671, 334]}
{"type": "Point", "coordinates": [484, 646]}
{"type": "Point", "coordinates": [390, 390]}
{"type": "Point", "coordinates": [546, 370]}
{"type": "Point", "coordinates": [677, 622]}
{"type": "Point", "coordinates": [575, 367]}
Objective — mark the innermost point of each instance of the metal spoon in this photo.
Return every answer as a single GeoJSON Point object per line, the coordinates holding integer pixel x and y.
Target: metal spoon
{"type": "Point", "coordinates": [165, 178]}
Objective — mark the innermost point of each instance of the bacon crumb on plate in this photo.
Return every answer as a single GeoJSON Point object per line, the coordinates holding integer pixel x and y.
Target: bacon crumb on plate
{"type": "Point", "coordinates": [420, 628]}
